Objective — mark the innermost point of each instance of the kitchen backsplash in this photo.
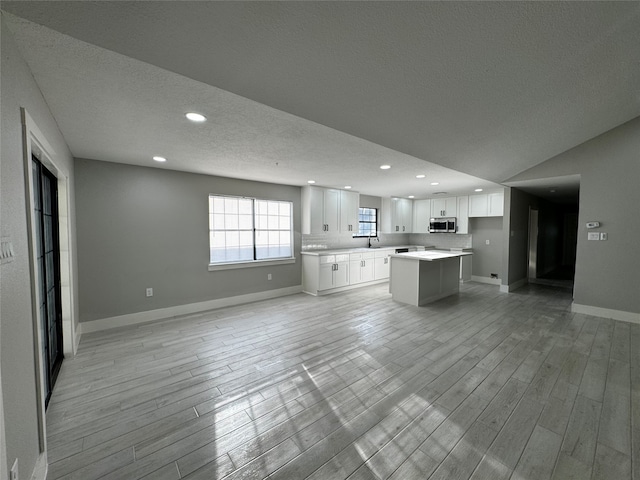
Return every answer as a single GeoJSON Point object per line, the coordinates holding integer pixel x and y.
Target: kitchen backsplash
{"type": "Point", "coordinates": [327, 241]}
{"type": "Point", "coordinates": [441, 240]}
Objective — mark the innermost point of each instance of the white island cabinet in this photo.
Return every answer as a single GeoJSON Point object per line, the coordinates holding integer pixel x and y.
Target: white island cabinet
{"type": "Point", "coordinates": [418, 278]}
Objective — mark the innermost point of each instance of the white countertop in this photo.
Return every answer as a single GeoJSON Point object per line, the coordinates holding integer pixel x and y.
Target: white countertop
{"type": "Point", "coordinates": [431, 255]}
{"type": "Point", "coordinates": [358, 250]}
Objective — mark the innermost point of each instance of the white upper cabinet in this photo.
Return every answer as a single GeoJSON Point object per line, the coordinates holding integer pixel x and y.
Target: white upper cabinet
{"type": "Point", "coordinates": [421, 215]}
{"type": "Point", "coordinates": [329, 210]}
{"type": "Point", "coordinates": [478, 205]}
{"type": "Point", "coordinates": [462, 216]}
{"type": "Point", "coordinates": [444, 207]}
{"type": "Point", "coordinates": [397, 215]}
{"type": "Point", "coordinates": [486, 205]}
{"type": "Point", "coordinates": [349, 203]}
{"type": "Point", "coordinates": [496, 204]}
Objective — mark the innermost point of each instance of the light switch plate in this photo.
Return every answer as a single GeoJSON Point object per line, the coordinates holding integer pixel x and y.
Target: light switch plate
{"type": "Point", "coordinates": [604, 236]}
{"type": "Point", "coordinates": [593, 236]}
{"type": "Point", "coordinates": [6, 250]}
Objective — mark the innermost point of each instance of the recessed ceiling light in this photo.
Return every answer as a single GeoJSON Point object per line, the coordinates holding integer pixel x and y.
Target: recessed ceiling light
{"type": "Point", "coordinates": [195, 117]}
{"type": "Point", "coordinates": [478, 190]}
{"type": "Point", "coordinates": [311, 181]}
{"type": "Point", "coordinates": [420, 176]}
{"type": "Point", "coordinates": [159, 159]}
{"type": "Point", "coordinates": [435, 183]}
{"type": "Point", "coordinates": [347, 187]}
{"type": "Point", "coordinates": [385, 167]}
{"type": "Point", "coordinates": [412, 196]}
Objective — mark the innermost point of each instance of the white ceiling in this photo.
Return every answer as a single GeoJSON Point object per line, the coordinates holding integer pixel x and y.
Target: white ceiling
{"type": "Point", "coordinates": [331, 90]}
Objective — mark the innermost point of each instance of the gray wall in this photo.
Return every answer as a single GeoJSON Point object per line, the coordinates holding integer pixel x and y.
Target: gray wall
{"type": "Point", "coordinates": [140, 227]}
{"type": "Point", "coordinates": [487, 259]}
{"type": "Point", "coordinates": [371, 202]}
{"type": "Point", "coordinates": [17, 350]}
{"type": "Point", "coordinates": [609, 168]}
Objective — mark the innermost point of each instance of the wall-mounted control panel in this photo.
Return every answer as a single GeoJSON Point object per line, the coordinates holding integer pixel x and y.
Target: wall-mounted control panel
{"type": "Point", "coordinates": [593, 224]}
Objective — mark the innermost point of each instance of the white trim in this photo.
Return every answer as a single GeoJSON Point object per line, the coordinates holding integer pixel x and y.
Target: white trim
{"type": "Point", "coordinates": [489, 280]}
{"type": "Point", "coordinates": [514, 286]}
{"type": "Point", "coordinates": [253, 263]}
{"type": "Point", "coordinates": [41, 468]}
{"type": "Point", "coordinates": [179, 310]}
{"type": "Point", "coordinates": [3, 447]}
{"type": "Point", "coordinates": [606, 313]}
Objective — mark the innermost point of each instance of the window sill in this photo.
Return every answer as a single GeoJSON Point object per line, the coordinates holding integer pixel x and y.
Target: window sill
{"type": "Point", "coordinates": [253, 263]}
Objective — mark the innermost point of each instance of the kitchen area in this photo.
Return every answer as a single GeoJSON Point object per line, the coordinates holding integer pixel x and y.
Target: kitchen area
{"type": "Point", "coordinates": [417, 234]}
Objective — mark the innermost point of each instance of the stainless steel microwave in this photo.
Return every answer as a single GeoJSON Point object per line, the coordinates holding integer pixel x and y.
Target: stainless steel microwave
{"type": "Point", "coordinates": [442, 225]}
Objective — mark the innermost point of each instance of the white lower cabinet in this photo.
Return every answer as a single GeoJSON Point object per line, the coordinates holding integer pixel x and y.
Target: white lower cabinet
{"type": "Point", "coordinates": [381, 263]}
{"type": "Point", "coordinates": [334, 271]}
{"type": "Point", "coordinates": [324, 273]}
{"type": "Point", "coordinates": [361, 267]}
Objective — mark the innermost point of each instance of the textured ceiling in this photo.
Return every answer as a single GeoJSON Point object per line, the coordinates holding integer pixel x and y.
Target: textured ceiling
{"type": "Point", "coordinates": [485, 88]}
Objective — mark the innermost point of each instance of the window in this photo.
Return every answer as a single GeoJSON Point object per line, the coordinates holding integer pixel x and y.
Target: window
{"type": "Point", "coordinates": [367, 222]}
{"type": "Point", "coordinates": [249, 230]}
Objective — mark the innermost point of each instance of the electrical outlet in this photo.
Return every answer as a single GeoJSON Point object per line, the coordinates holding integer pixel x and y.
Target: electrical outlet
{"type": "Point", "coordinates": [487, 242]}
{"type": "Point", "coordinates": [14, 471]}
{"type": "Point", "coordinates": [269, 277]}
{"type": "Point", "coordinates": [149, 292]}
{"type": "Point", "coordinates": [593, 236]}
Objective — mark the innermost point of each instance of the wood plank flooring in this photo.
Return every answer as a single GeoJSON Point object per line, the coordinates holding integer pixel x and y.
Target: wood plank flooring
{"type": "Point", "coordinates": [483, 385]}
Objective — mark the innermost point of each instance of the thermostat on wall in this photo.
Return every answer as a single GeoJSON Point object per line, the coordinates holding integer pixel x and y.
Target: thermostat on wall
{"type": "Point", "coordinates": [593, 224]}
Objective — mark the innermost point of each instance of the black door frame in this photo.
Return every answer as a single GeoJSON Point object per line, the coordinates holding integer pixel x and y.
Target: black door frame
{"type": "Point", "coordinates": [50, 277]}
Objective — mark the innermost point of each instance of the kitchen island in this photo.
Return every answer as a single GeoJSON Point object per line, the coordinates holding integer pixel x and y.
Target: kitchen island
{"type": "Point", "coordinates": [418, 278]}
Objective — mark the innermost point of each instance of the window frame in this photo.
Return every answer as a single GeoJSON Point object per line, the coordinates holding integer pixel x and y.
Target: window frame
{"type": "Point", "coordinates": [255, 261]}
{"type": "Point", "coordinates": [377, 221]}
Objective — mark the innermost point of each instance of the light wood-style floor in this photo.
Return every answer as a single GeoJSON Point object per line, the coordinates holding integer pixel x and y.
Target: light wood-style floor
{"type": "Point", "coordinates": [483, 385]}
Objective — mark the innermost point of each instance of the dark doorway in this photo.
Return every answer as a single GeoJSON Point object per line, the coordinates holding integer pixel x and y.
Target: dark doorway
{"type": "Point", "coordinates": [555, 246]}
{"type": "Point", "coordinates": [47, 244]}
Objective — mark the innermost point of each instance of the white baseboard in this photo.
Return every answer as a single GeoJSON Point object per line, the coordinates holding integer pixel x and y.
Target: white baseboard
{"type": "Point", "coordinates": [606, 313]}
{"type": "Point", "coordinates": [40, 470]}
{"type": "Point", "coordinates": [514, 286]}
{"type": "Point", "coordinates": [77, 334]}
{"type": "Point", "coordinates": [178, 310]}
{"type": "Point", "coordinates": [489, 280]}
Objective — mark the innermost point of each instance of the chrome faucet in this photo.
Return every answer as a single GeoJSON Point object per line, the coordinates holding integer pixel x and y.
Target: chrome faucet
{"type": "Point", "coordinates": [375, 238]}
